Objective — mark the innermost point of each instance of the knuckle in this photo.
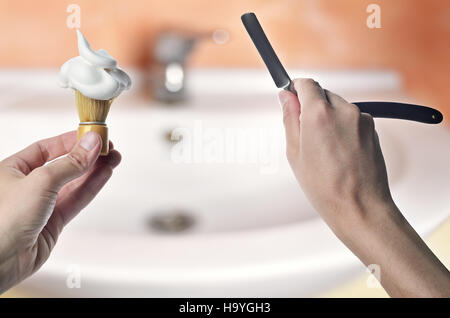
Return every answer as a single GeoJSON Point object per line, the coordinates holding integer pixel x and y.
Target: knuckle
{"type": "Point", "coordinates": [352, 111]}
{"type": "Point", "coordinates": [367, 117]}
{"type": "Point", "coordinates": [321, 106]}
{"type": "Point", "coordinates": [78, 161]}
{"type": "Point", "coordinates": [308, 81]}
{"type": "Point", "coordinates": [320, 113]}
{"type": "Point", "coordinates": [367, 122]}
{"type": "Point", "coordinates": [45, 175]}
{"type": "Point", "coordinates": [304, 83]}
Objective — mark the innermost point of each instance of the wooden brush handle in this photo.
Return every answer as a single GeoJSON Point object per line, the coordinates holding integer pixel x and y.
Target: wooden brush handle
{"type": "Point", "coordinates": [102, 130]}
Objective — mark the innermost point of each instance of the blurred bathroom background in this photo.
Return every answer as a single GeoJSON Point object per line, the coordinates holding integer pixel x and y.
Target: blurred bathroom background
{"type": "Point", "coordinates": [306, 33]}
{"type": "Point", "coordinates": [411, 49]}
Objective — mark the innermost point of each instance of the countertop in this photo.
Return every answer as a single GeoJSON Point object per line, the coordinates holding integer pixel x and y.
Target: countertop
{"type": "Point", "coordinates": [437, 241]}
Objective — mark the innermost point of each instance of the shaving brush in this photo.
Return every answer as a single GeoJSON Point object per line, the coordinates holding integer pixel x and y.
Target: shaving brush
{"type": "Point", "coordinates": [93, 113]}
{"type": "Point", "coordinates": [97, 81]}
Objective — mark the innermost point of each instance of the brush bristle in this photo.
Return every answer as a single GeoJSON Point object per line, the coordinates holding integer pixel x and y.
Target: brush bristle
{"type": "Point", "coordinates": [92, 109]}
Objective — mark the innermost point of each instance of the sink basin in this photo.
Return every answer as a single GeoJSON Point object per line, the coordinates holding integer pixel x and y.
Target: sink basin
{"type": "Point", "coordinates": [223, 217]}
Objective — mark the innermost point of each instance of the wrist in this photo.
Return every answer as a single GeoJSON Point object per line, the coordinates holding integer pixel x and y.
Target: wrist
{"type": "Point", "coordinates": [381, 235]}
{"type": "Point", "coordinates": [363, 221]}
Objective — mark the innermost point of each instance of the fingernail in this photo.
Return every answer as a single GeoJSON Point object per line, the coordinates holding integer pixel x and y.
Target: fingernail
{"type": "Point", "coordinates": [283, 98]}
{"type": "Point", "coordinates": [89, 141]}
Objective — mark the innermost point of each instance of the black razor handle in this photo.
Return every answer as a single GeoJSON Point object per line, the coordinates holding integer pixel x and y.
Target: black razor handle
{"type": "Point", "coordinates": [418, 113]}
{"type": "Point", "coordinates": [281, 78]}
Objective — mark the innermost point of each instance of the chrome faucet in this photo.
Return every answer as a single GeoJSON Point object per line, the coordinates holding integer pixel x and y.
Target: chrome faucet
{"type": "Point", "coordinates": [168, 74]}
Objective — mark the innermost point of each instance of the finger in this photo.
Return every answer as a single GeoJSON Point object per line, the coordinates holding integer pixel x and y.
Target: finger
{"type": "Point", "coordinates": [84, 192]}
{"type": "Point", "coordinates": [80, 159]}
{"type": "Point", "coordinates": [66, 209]}
{"type": "Point", "coordinates": [343, 108]}
{"type": "Point", "coordinates": [76, 195]}
{"type": "Point", "coordinates": [291, 119]}
{"type": "Point", "coordinates": [310, 94]}
{"type": "Point", "coordinates": [335, 99]}
{"type": "Point", "coordinates": [112, 159]}
{"type": "Point", "coordinates": [367, 124]}
{"type": "Point", "coordinates": [111, 145]}
{"type": "Point", "coordinates": [41, 152]}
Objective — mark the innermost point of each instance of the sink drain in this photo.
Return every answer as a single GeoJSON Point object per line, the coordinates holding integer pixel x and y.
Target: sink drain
{"type": "Point", "coordinates": [171, 221]}
{"type": "Point", "coordinates": [172, 137]}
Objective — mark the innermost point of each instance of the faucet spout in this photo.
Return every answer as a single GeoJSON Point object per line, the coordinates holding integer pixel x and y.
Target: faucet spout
{"type": "Point", "coordinates": [171, 52]}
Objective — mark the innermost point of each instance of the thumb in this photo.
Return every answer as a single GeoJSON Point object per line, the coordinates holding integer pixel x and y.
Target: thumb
{"type": "Point", "coordinates": [77, 162]}
{"type": "Point", "coordinates": [291, 119]}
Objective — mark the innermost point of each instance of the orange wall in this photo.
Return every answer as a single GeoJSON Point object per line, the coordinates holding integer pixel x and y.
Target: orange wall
{"type": "Point", "coordinates": [414, 38]}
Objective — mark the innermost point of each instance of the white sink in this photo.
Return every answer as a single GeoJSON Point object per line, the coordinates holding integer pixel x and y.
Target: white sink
{"type": "Point", "coordinates": [249, 229]}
